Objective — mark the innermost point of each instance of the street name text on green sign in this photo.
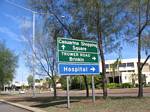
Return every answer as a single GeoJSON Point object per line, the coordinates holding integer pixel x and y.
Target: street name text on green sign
{"type": "Point", "coordinates": [65, 56]}
{"type": "Point", "coordinates": [77, 45]}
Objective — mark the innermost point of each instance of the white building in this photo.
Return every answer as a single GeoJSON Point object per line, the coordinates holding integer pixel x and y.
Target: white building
{"type": "Point", "coordinates": [127, 71]}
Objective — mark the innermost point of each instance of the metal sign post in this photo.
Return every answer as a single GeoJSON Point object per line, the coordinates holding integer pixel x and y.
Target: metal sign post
{"type": "Point", "coordinates": [68, 96]}
{"type": "Point", "coordinates": [93, 89]}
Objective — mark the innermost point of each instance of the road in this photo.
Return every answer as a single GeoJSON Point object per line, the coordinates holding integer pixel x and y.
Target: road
{"type": "Point", "coordinates": [9, 108]}
{"type": "Point", "coordinates": [98, 92]}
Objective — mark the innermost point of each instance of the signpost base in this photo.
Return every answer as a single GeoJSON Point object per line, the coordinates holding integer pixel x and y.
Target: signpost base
{"type": "Point", "coordinates": [93, 89]}
{"type": "Point", "coordinates": [68, 97]}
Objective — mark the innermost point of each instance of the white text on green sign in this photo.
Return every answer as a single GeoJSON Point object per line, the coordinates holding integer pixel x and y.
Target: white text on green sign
{"type": "Point", "coordinates": [65, 56]}
{"type": "Point", "coordinates": [77, 45]}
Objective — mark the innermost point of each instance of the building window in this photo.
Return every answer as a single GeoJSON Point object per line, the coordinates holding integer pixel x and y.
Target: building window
{"type": "Point", "coordinates": [123, 71]}
{"type": "Point", "coordinates": [106, 65]}
{"type": "Point", "coordinates": [122, 65]}
{"type": "Point", "coordinates": [130, 71]}
{"type": "Point", "coordinates": [130, 64]}
{"type": "Point", "coordinates": [125, 77]}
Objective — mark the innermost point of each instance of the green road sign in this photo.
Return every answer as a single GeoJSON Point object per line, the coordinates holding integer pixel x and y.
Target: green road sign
{"type": "Point", "coordinates": [77, 51]}
{"type": "Point", "coordinates": [76, 45]}
{"type": "Point", "coordinates": [65, 56]}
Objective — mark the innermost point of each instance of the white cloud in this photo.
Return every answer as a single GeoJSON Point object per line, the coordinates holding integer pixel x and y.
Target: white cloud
{"type": "Point", "coordinates": [13, 18]}
{"type": "Point", "coordinates": [23, 22]}
{"type": "Point", "coordinates": [11, 34]}
{"type": "Point", "coordinates": [26, 23]}
{"type": "Point", "coordinates": [23, 38]}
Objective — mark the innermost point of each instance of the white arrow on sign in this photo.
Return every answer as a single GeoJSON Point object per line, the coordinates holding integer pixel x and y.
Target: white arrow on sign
{"type": "Point", "coordinates": [93, 69]}
{"type": "Point", "coordinates": [94, 58]}
{"type": "Point", "coordinates": [63, 47]}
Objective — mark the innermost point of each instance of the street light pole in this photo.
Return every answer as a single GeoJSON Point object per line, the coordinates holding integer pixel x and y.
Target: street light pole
{"type": "Point", "coordinates": [33, 50]}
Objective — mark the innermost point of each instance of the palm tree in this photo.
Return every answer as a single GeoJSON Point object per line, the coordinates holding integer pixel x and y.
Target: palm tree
{"type": "Point", "coordinates": [114, 67]}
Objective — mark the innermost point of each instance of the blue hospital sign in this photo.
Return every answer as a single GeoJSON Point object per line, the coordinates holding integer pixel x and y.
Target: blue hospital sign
{"type": "Point", "coordinates": [78, 69]}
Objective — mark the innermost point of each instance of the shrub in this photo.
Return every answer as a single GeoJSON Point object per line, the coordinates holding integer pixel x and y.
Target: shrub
{"type": "Point", "coordinates": [116, 85]}
{"type": "Point", "coordinates": [112, 85]}
{"type": "Point", "coordinates": [98, 81]}
{"type": "Point", "coordinates": [77, 83]}
{"type": "Point", "coordinates": [63, 82]}
{"type": "Point", "coordinates": [126, 85]}
{"type": "Point", "coordinates": [148, 85]}
{"type": "Point", "coordinates": [136, 85]}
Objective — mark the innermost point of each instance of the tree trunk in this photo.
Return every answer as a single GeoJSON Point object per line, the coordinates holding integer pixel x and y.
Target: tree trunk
{"type": "Point", "coordinates": [103, 67]}
{"type": "Point", "coordinates": [113, 76]}
{"type": "Point", "coordinates": [140, 81]}
{"type": "Point", "coordinates": [113, 79]}
{"type": "Point", "coordinates": [140, 92]}
{"type": "Point", "coordinates": [1, 85]}
{"type": "Point", "coordinates": [104, 79]}
{"type": "Point", "coordinates": [100, 45]}
{"type": "Point", "coordinates": [54, 86]}
{"type": "Point", "coordinates": [86, 86]}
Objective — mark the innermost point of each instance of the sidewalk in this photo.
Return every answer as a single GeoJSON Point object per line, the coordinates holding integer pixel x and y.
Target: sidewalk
{"type": "Point", "coordinates": [22, 106]}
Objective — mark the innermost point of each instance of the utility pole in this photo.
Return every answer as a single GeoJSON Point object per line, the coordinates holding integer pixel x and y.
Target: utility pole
{"type": "Point", "coordinates": [33, 50]}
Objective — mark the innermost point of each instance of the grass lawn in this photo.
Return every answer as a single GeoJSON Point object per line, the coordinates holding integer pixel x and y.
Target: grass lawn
{"type": "Point", "coordinates": [83, 104]}
{"type": "Point", "coordinates": [109, 105]}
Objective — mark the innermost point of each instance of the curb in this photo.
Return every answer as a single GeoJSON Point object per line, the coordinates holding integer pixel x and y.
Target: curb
{"type": "Point", "coordinates": [23, 107]}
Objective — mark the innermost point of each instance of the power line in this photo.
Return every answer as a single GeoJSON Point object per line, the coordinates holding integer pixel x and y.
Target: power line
{"type": "Point", "coordinates": [19, 6]}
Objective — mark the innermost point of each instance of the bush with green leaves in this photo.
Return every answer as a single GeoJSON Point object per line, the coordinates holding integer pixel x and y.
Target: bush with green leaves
{"type": "Point", "coordinates": [117, 85]}
{"type": "Point", "coordinates": [98, 81]}
{"type": "Point", "coordinates": [63, 82]}
{"type": "Point", "coordinates": [126, 85]}
{"type": "Point", "coordinates": [74, 82]}
{"type": "Point", "coordinates": [112, 85]}
{"type": "Point", "coordinates": [77, 82]}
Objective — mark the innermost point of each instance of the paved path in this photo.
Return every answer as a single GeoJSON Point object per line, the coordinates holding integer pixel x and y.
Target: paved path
{"type": "Point", "coordinates": [9, 108]}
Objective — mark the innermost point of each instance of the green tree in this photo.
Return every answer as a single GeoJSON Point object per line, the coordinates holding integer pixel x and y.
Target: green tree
{"type": "Point", "coordinates": [37, 80]}
{"type": "Point", "coordinates": [101, 21]}
{"type": "Point", "coordinates": [8, 64]}
{"type": "Point", "coordinates": [134, 78]}
{"type": "Point", "coordinates": [30, 80]}
{"type": "Point", "coordinates": [138, 16]}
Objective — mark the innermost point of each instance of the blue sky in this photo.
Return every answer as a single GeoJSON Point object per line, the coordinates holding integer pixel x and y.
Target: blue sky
{"type": "Point", "coordinates": [13, 19]}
